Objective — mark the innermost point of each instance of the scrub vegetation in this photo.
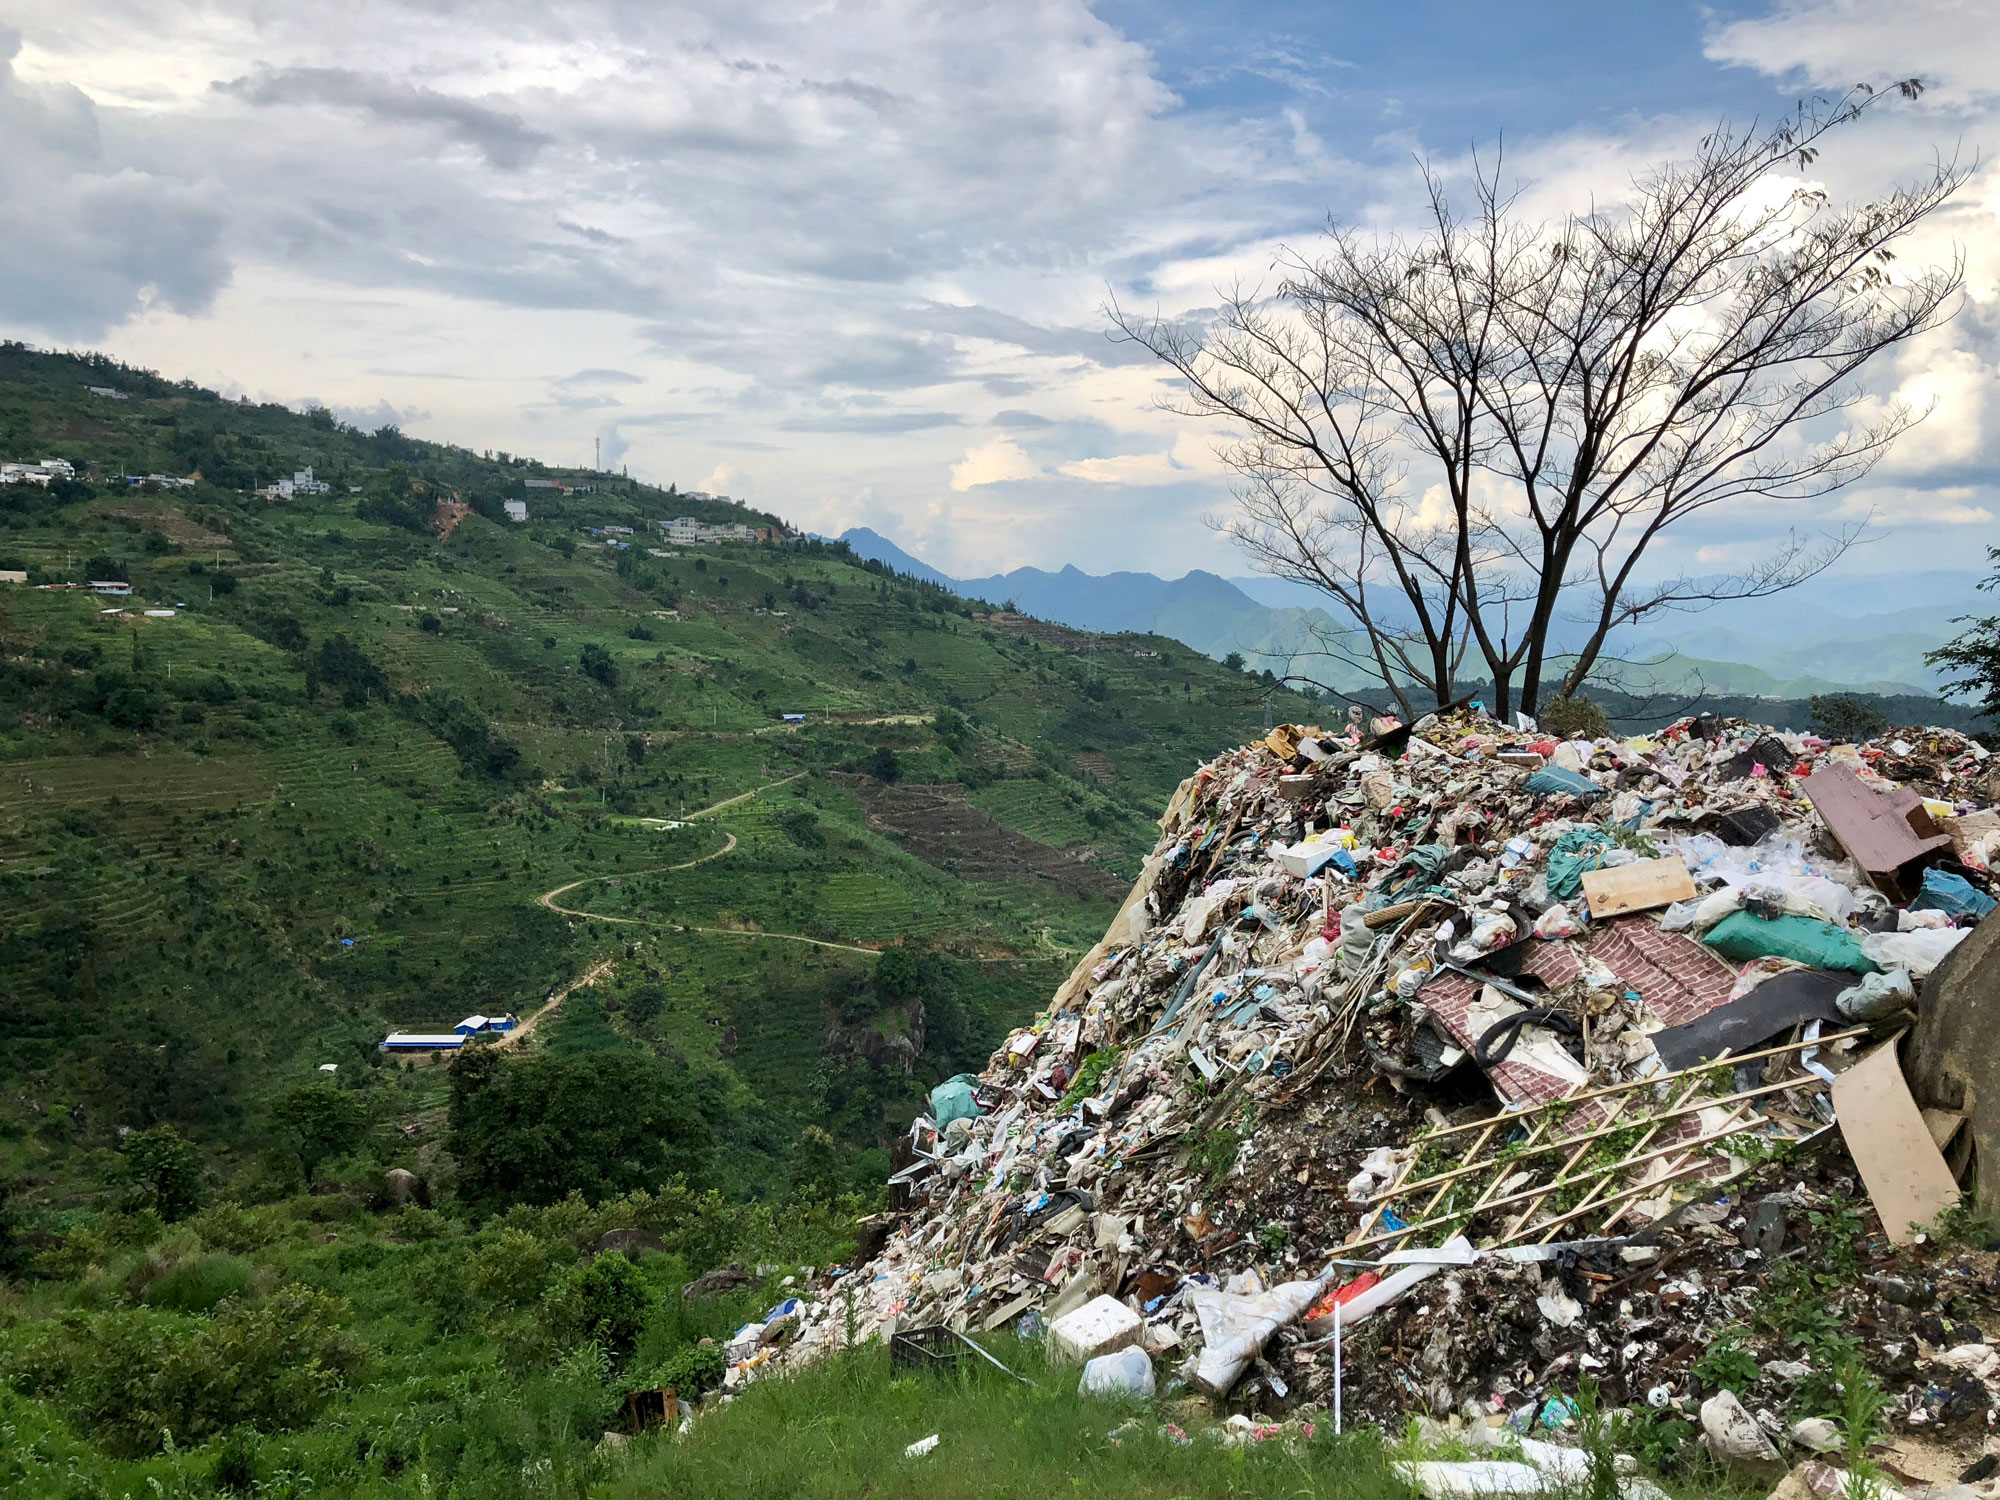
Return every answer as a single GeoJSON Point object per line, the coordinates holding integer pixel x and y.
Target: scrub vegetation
{"type": "Point", "coordinates": [393, 759]}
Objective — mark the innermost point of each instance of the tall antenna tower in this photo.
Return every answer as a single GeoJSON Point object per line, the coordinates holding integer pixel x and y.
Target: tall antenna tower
{"type": "Point", "coordinates": [597, 454]}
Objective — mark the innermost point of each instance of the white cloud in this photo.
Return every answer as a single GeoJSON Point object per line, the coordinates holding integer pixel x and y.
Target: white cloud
{"type": "Point", "coordinates": [1953, 45]}
{"type": "Point", "coordinates": [997, 462]}
{"type": "Point", "coordinates": [858, 242]}
{"type": "Point", "coordinates": [725, 479]}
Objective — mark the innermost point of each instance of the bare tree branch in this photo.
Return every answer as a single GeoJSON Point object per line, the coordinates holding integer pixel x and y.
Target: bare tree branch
{"type": "Point", "coordinates": [1462, 439]}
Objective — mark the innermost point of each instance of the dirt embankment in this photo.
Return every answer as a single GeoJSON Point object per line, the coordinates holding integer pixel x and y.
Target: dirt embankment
{"type": "Point", "coordinates": [936, 823]}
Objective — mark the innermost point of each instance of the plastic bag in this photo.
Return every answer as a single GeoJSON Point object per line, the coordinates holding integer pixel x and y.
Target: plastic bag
{"type": "Point", "coordinates": [1576, 853]}
{"type": "Point", "coordinates": [1952, 894]}
{"type": "Point", "coordinates": [1557, 922]}
{"type": "Point", "coordinates": [1876, 996]}
{"type": "Point", "coordinates": [1919, 952]}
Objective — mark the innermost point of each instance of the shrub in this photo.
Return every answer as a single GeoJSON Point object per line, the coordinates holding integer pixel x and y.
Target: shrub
{"type": "Point", "coordinates": [598, 665]}
{"type": "Point", "coordinates": [531, 1130]}
{"type": "Point", "coordinates": [165, 1170]}
{"type": "Point", "coordinates": [130, 1378]}
{"type": "Point", "coordinates": [601, 1302]}
{"type": "Point", "coordinates": [1843, 717]}
{"type": "Point", "coordinates": [197, 1285]}
{"type": "Point", "coordinates": [688, 1374]}
{"type": "Point", "coordinates": [1574, 718]}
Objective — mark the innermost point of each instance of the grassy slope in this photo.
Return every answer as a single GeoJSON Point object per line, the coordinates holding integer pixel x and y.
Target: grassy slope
{"type": "Point", "coordinates": [186, 865]}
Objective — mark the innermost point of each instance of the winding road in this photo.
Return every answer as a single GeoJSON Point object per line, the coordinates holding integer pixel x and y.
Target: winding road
{"type": "Point", "coordinates": [550, 898]}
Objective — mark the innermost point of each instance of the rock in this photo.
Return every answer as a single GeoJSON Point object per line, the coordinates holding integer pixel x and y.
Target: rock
{"type": "Point", "coordinates": [1786, 1369]}
{"type": "Point", "coordinates": [1896, 1289]}
{"type": "Point", "coordinates": [401, 1182]}
{"type": "Point", "coordinates": [1821, 1434]}
{"type": "Point", "coordinates": [714, 1283]}
{"type": "Point", "coordinates": [614, 1440]}
{"type": "Point", "coordinates": [1950, 1059]}
{"type": "Point", "coordinates": [1736, 1441]}
{"type": "Point", "coordinates": [1812, 1480]}
{"type": "Point", "coordinates": [1764, 1228]}
{"type": "Point", "coordinates": [634, 1242]}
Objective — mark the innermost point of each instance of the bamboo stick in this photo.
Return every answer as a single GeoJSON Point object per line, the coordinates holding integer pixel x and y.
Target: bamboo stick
{"type": "Point", "coordinates": [1527, 1193]}
{"type": "Point", "coordinates": [1809, 1081]}
{"type": "Point", "coordinates": [1728, 1060]}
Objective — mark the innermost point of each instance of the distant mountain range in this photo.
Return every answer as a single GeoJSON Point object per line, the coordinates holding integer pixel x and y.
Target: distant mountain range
{"type": "Point", "coordinates": [1834, 632]}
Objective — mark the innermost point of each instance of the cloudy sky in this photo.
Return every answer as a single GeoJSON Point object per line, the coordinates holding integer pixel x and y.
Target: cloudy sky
{"type": "Point", "coordinates": [847, 261]}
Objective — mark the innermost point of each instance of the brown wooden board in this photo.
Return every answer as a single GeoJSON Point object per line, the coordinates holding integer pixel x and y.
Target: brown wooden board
{"type": "Point", "coordinates": [1883, 829]}
{"type": "Point", "coordinates": [1904, 1172]}
{"type": "Point", "coordinates": [1640, 887]}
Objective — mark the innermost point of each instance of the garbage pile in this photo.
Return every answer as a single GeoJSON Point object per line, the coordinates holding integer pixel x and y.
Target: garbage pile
{"type": "Point", "coordinates": [1437, 1060]}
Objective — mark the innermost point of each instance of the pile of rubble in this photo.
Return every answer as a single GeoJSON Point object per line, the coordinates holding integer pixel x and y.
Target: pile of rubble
{"type": "Point", "coordinates": [1486, 1059]}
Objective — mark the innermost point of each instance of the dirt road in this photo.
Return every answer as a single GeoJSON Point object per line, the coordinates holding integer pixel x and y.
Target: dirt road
{"type": "Point", "coordinates": [550, 898]}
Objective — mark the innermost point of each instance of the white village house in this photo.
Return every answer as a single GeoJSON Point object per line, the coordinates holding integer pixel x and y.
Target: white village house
{"type": "Point", "coordinates": [43, 473]}
{"type": "Point", "coordinates": [686, 531]}
{"type": "Point", "coordinates": [301, 483]}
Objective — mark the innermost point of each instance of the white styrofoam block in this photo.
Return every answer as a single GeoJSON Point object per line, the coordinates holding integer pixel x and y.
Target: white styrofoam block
{"type": "Point", "coordinates": [1101, 1326]}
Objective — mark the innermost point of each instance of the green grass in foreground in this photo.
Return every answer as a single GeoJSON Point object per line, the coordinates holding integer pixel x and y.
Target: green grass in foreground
{"type": "Point", "coordinates": [840, 1430]}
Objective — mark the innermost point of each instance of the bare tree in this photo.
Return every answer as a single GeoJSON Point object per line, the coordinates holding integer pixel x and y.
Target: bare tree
{"type": "Point", "coordinates": [1458, 437]}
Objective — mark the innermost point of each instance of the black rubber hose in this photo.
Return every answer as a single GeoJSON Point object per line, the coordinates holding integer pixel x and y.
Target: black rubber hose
{"type": "Point", "coordinates": [1497, 1041]}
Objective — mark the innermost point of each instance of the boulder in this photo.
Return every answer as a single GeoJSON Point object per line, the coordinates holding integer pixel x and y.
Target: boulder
{"type": "Point", "coordinates": [1736, 1441]}
{"type": "Point", "coordinates": [715, 1283]}
{"type": "Point", "coordinates": [402, 1184]}
{"type": "Point", "coordinates": [633, 1242]}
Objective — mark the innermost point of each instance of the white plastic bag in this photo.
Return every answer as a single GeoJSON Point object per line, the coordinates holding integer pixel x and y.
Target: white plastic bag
{"type": "Point", "coordinates": [1919, 951]}
{"type": "Point", "coordinates": [1124, 1376]}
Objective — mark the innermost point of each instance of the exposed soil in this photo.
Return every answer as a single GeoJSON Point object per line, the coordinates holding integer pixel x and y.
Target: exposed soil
{"type": "Point", "coordinates": [1046, 631]}
{"type": "Point", "coordinates": [176, 527]}
{"type": "Point", "coordinates": [936, 824]}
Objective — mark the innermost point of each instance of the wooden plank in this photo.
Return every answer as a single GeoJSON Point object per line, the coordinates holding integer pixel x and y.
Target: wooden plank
{"type": "Point", "coordinates": [1650, 883]}
{"type": "Point", "coordinates": [1943, 1124]}
{"type": "Point", "coordinates": [1882, 829]}
{"type": "Point", "coordinates": [1892, 1148]}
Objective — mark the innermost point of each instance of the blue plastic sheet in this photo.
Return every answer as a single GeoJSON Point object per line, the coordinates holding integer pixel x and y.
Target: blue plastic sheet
{"type": "Point", "coordinates": [1552, 780]}
{"type": "Point", "coordinates": [952, 1100]}
{"type": "Point", "coordinates": [1953, 895]}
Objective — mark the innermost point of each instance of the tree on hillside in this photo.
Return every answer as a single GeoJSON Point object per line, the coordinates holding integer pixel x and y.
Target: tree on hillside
{"type": "Point", "coordinates": [1469, 438]}
{"type": "Point", "coordinates": [1973, 656]}
{"type": "Point", "coordinates": [165, 1170]}
{"type": "Point", "coordinates": [532, 1130]}
{"type": "Point", "coordinates": [314, 1123]}
{"type": "Point", "coordinates": [597, 663]}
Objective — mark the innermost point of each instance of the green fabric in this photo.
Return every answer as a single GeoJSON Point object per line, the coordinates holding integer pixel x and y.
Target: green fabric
{"type": "Point", "coordinates": [1741, 937]}
{"type": "Point", "coordinates": [952, 1100]}
{"type": "Point", "coordinates": [1576, 853]}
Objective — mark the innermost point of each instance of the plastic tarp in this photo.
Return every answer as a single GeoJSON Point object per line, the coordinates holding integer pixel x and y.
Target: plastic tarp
{"type": "Point", "coordinates": [953, 1100]}
{"type": "Point", "coordinates": [1953, 895]}
{"type": "Point", "coordinates": [1575, 854]}
{"type": "Point", "coordinates": [1551, 780]}
{"type": "Point", "coordinates": [1742, 936]}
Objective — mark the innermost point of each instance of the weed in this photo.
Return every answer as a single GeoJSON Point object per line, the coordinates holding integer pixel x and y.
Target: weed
{"type": "Point", "coordinates": [1599, 1433]}
{"type": "Point", "coordinates": [1214, 1153]}
{"type": "Point", "coordinates": [1726, 1364]}
{"type": "Point", "coordinates": [1839, 1226]}
{"type": "Point", "coordinates": [1089, 1077]}
{"type": "Point", "coordinates": [1959, 1226]}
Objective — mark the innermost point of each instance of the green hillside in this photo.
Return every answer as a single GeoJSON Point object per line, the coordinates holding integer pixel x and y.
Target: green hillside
{"type": "Point", "coordinates": [324, 797]}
